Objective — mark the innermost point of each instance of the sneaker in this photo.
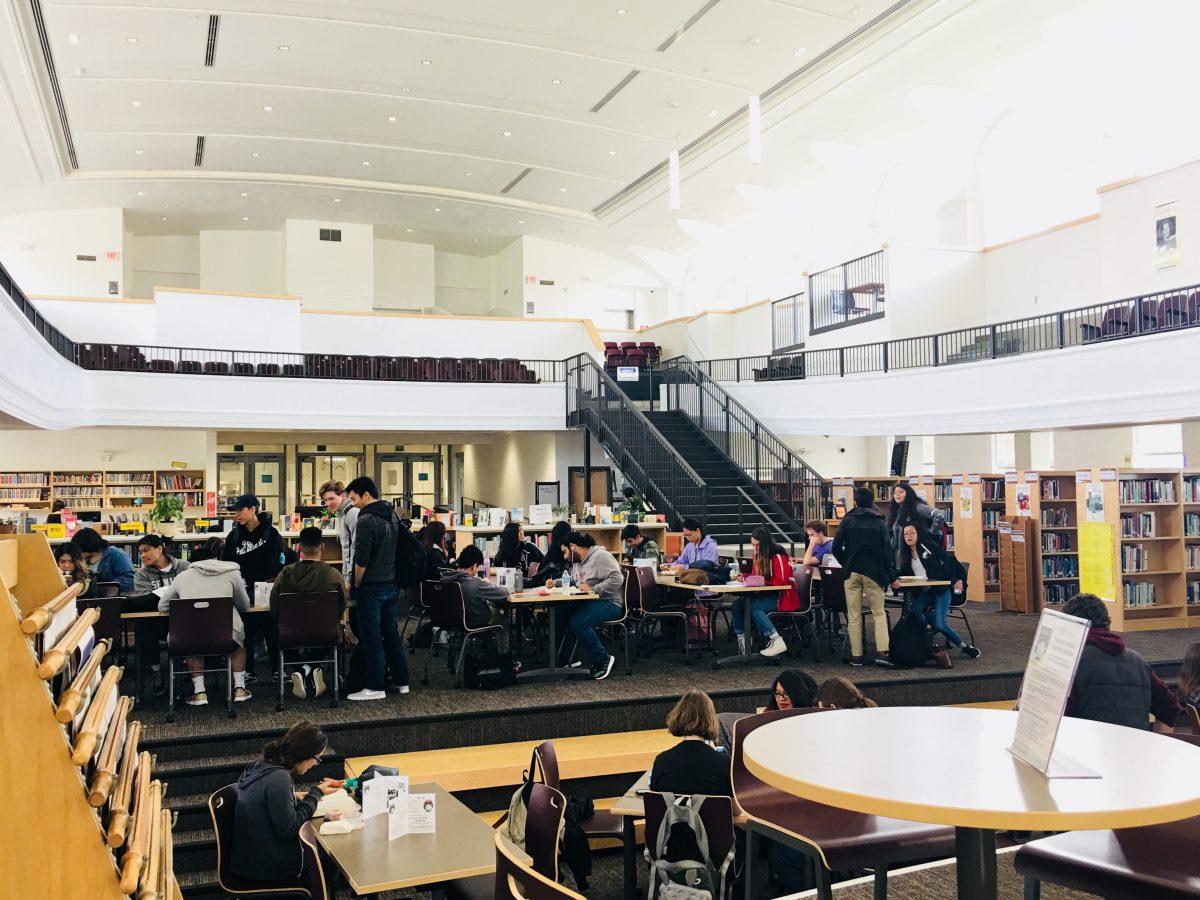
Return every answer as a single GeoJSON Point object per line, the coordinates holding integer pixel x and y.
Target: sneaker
{"type": "Point", "coordinates": [741, 642]}
{"type": "Point", "coordinates": [366, 694]}
{"type": "Point", "coordinates": [299, 691]}
{"type": "Point", "coordinates": [200, 699]}
{"type": "Point", "coordinates": [971, 652]}
{"type": "Point", "coordinates": [856, 661]}
{"type": "Point", "coordinates": [884, 660]}
{"type": "Point", "coordinates": [775, 647]}
{"type": "Point", "coordinates": [318, 679]}
{"type": "Point", "coordinates": [241, 695]}
{"type": "Point", "coordinates": [601, 672]}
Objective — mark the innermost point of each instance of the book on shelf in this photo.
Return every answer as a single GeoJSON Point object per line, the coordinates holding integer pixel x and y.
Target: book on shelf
{"type": "Point", "coordinates": [1056, 518]}
{"type": "Point", "coordinates": [991, 544]}
{"type": "Point", "coordinates": [175, 481]}
{"type": "Point", "coordinates": [992, 490]}
{"type": "Point", "coordinates": [991, 517]}
{"type": "Point", "coordinates": [1051, 490]}
{"type": "Point", "coordinates": [1192, 556]}
{"type": "Point", "coordinates": [129, 490]}
{"type": "Point", "coordinates": [1191, 488]}
{"type": "Point", "coordinates": [130, 478]}
{"type": "Point", "coordinates": [1057, 542]}
{"type": "Point", "coordinates": [1135, 558]}
{"type": "Point", "coordinates": [96, 478]}
{"type": "Point", "coordinates": [27, 479]}
{"type": "Point", "coordinates": [1191, 524]}
{"type": "Point", "coordinates": [1139, 594]}
{"type": "Point", "coordinates": [991, 572]}
{"type": "Point", "coordinates": [1193, 593]}
{"type": "Point", "coordinates": [1146, 490]}
{"type": "Point", "coordinates": [1059, 592]}
{"type": "Point", "coordinates": [1138, 524]}
{"type": "Point", "coordinates": [21, 494]}
{"type": "Point", "coordinates": [943, 492]}
{"type": "Point", "coordinates": [1060, 567]}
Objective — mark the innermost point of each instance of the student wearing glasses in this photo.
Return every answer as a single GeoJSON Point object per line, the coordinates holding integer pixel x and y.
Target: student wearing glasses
{"type": "Point", "coordinates": [270, 811]}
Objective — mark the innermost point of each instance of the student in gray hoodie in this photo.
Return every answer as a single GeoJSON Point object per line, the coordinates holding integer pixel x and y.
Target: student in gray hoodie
{"type": "Point", "coordinates": [159, 567]}
{"type": "Point", "coordinates": [270, 811]}
{"type": "Point", "coordinates": [209, 577]}
{"type": "Point", "coordinates": [483, 599]}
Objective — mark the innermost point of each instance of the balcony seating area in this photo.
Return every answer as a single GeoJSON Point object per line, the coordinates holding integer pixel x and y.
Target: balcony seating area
{"type": "Point", "coordinates": [1175, 311]}
{"type": "Point", "coordinates": [631, 353]}
{"type": "Point", "coordinates": [781, 368]}
{"type": "Point", "coordinates": [118, 358]}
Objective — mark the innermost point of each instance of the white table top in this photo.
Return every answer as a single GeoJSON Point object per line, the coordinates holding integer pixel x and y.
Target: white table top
{"type": "Point", "coordinates": [847, 759]}
{"type": "Point", "coordinates": [536, 596]}
{"type": "Point", "coordinates": [733, 587]}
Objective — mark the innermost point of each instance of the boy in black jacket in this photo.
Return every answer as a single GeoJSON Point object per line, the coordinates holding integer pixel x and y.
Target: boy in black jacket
{"type": "Point", "coordinates": [258, 549]}
{"type": "Point", "coordinates": [864, 548]}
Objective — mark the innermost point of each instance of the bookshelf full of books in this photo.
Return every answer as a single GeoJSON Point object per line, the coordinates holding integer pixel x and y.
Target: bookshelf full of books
{"type": "Point", "coordinates": [1049, 499]}
{"type": "Point", "coordinates": [881, 487]}
{"type": "Point", "coordinates": [977, 503]}
{"type": "Point", "coordinates": [186, 484]}
{"type": "Point", "coordinates": [128, 489]}
{"type": "Point", "coordinates": [1190, 483]}
{"type": "Point", "coordinates": [122, 490]}
{"type": "Point", "coordinates": [943, 501]}
{"type": "Point", "coordinates": [1149, 516]}
{"type": "Point", "coordinates": [82, 490]}
{"type": "Point", "coordinates": [24, 489]}
{"type": "Point", "coordinates": [992, 491]}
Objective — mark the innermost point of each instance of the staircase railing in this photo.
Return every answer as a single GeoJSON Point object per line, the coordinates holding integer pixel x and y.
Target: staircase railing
{"type": "Point", "coordinates": [763, 515]}
{"type": "Point", "coordinates": [788, 480]}
{"type": "Point", "coordinates": [640, 451]}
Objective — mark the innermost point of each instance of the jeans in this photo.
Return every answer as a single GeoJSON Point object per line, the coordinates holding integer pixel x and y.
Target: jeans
{"type": "Point", "coordinates": [859, 588]}
{"type": "Point", "coordinates": [379, 634]}
{"type": "Point", "coordinates": [760, 605]}
{"type": "Point", "coordinates": [585, 615]}
{"type": "Point", "coordinates": [932, 604]}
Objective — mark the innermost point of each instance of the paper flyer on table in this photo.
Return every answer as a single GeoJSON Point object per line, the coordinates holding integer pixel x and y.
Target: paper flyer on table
{"type": "Point", "coordinates": [378, 792]}
{"type": "Point", "coordinates": [422, 813]}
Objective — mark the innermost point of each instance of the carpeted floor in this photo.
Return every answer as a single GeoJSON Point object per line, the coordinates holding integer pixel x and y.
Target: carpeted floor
{"type": "Point", "coordinates": [1004, 638]}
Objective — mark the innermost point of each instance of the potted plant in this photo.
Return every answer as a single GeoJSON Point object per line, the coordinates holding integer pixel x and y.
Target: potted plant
{"type": "Point", "coordinates": [8, 526]}
{"type": "Point", "coordinates": [167, 509]}
{"type": "Point", "coordinates": [558, 512]}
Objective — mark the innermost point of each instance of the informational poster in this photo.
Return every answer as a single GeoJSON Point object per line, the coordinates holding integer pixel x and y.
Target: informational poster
{"type": "Point", "coordinates": [966, 502]}
{"type": "Point", "coordinates": [1166, 235]}
{"type": "Point", "coordinates": [1095, 502]}
{"type": "Point", "coordinates": [1097, 560]}
{"type": "Point", "coordinates": [540, 513]}
{"type": "Point", "coordinates": [627, 373]}
{"type": "Point", "coordinates": [1024, 503]}
{"type": "Point", "coordinates": [1049, 674]}
{"type": "Point", "coordinates": [379, 792]}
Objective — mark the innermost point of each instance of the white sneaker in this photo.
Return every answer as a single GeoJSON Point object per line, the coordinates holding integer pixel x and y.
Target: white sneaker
{"type": "Point", "coordinates": [775, 647]}
{"type": "Point", "coordinates": [197, 699]}
{"type": "Point", "coordinates": [741, 642]}
{"type": "Point", "coordinates": [367, 694]}
{"type": "Point", "coordinates": [318, 682]}
{"type": "Point", "coordinates": [299, 691]}
{"type": "Point", "coordinates": [403, 689]}
{"type": "Point", "coordinates": [241, 695]}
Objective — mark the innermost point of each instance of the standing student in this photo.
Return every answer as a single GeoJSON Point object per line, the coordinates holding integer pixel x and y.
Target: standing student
{"type": "Point", "coordinates": [257, 547]}
{"type": "Point", "coordinates": [819, 544]}
{"type": "Point", "coordinates": [270, 811]}
{"type": "Point", "coordinates": [638, 546]}
{"type": "Point", "coordinates": [484, 601]}
{"type": "Point", "coordinates": [159, 567]}
{"type": "Point", "coordinates": [595, 571]}
{"type": "Point", "coordinates": [107, 563]}
{"type": "Point", "coordinates": [770, 562]}
{"type": "Point", "coordinates": [376, 592]}
{"type": "Point", "coordinates": [694, 765]}
{"type": "Point", "coordinates": [515, 552]}
{"type": "Point", "coordinates": [70, 563]}
{"type": "Point", "coordinates": [333, 495]}
{"type": "Point", "coordinates": [864, 549]}
{"type": "Point", "coordinates": [925, 558]}
{"type": "Point", "coordinates": [696, 546]}
{"type": "Point", "coordinates": [909, 509]}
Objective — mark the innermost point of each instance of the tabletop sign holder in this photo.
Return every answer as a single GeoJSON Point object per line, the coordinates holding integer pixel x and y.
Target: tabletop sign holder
{"type": "Point", "coordinates": [1049, 674]}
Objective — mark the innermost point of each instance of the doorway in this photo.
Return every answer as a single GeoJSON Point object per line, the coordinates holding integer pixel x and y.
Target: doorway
{"type": "Point", "coordinates": [314, 469]}
{"type": "Point", "coordinates": [602, 486]}
{"type": "Point", "coordinates": [410, 478]}
{"type": "Point", "coordinates": [260, 474]}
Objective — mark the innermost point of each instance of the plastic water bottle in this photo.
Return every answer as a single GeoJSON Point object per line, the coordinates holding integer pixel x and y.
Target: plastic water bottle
{"type": "Point", "coordinates": [733, 570]}
{"type": "Point", "coordinates": [566, 579]}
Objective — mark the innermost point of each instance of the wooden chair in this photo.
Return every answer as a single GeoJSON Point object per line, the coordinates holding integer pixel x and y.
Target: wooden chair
{"type": "Point", "coordinates": [517, 880]}
{"type": "Point", "coordinates": [717, 815]}
{"type": "Point", "coordinates": [201, 627]}
{"type": "Point", "coordinates": [1158, 861]}
{"type": "Point", "coordinates": [805, 616]}
{"type": "Point", "coordinates": [309, 622]}
{"type": "Point", "coordinates": [603, 823]}
{"type": "Point", "coordinates": [1193, 717]}
{"type": "Point", "coordinates": [222, 806]}
{"type": "Point", "coordinates": [834, 839]}
{"type": "Point", "coordinates": [448, 611]}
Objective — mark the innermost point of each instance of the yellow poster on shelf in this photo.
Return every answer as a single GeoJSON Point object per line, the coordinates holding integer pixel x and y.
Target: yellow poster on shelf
{"type": "Point", "coordinates": [1098, 560]}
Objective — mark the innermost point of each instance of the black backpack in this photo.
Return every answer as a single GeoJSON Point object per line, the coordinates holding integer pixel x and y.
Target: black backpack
{"type": "Point", "coordinates": [489, 670]}
{"type": "Point", "coordinates": [410, 558]}
{"type": "Point", "coordinates": [909, 642]}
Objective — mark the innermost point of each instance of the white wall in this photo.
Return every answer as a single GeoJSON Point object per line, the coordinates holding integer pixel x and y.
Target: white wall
{"type": "Point", "coordinates": [834, 456]}
{"type": "Point", "coordinates": [506, 270]}
{"type": "Point", "coordinates": [169, 260]}
{"type": "Point", "coordinates": [461, 283]}
{"type": "Point", "coordinates": [587, 284]}
{"type": "Point", "coordinates": [103, 321]}
{"type": "Point", "coordinates": [329, 274]}
{"type": "Point", "coordinates": [1085, 447]}
{"type": "Point", "coordinates": [404, 275]}
{"type": "Point", "coordinates": [226, 322]}
{"type": "Point", "coordinates": [504, 471]}
{"type": "Point", "coordinates": [246, 261]}
{"type": "Point", "coordinates": [1048, 273]}
{"type": "Point", "coordinates": [130, 448]}
{"type": "Point", "coordinates": [960, 453]}
{"type": "Point", "coordinates": [39, 250]}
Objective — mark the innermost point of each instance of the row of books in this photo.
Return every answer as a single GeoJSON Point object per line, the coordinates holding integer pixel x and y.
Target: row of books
{"type": "Point", "coordinates": [1139, 524]}
{"type": "Point", "coordinates": [1060, 567]}
{"type": "Point", "coordinates": [1059, 593]}
{"type": "Point", "coordinates": [991, 518]}
{"type": "Point", "coordinates": [950, 540]}
{"type": "Point", "coordinates": [1191, 489]}
{"type": "Point", "coordinates": [1057, 542]}
{"type": "Point", "coordinates": [190, 498]}
{"type": "Point", "coordinates": [992, 489]}
{"type": "Point", "coordinates": [991, 544]}
{"type": "Point", "coordinates": [1051, 490]}
{"type": "Point", "coordinates": [174, 482]}
{"type": "Point", "coordinates": [1135, 558]}
{"type": "Point", "coordinates": [1146, 490]}
{"type": "Point", "coordinates": [130, 490]}
{"type": "Point", "coordinates": [943, 492]}
{"type": "Point", "coordinates": [1193, 593]}
{"type": "Point", "coordinates": [1192, 556]}
{"type": "Point", "coordinates": [21, 494]}
{"type": "Point", "coordinates": [79, 478]}
{"type": "Point", "coordinates": [1139, 594]}
{"type": "Point", "coordinates": [32, 479]}
{"type": "Point", "coordinates": [1191, 524]}
{"type": "Point", "coordinates": [991, 572]}
{"type": "Point", "coordinates": [131, 477]}
{"type": "Point", "coordinates": [66, 492]}
{"type": "Point", "coordinates": [1058, 517]}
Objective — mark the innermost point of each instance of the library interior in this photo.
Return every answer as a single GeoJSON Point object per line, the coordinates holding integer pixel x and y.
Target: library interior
{"type": "Point", "coordinates": [784, 407]}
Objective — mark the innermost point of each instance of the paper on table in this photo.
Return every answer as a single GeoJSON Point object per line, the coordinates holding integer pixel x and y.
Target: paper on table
{"type": "Point", "coordinates": [379, 791]}
{"type": "Point", "coordinates": [342, 826]}
{"type": "Point", "coordinates": [339, 802]}
{"type": "Point", "coordinates": [422, 813]}
{"type": "Point", "coordinates": [397, 810]}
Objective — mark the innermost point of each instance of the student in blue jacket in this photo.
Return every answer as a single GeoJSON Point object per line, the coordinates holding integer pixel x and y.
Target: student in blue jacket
{"type": "Point", "coordinates": [106, 562]}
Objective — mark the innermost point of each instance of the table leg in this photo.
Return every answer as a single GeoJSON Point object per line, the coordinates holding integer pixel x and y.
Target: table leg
{"type": "Point", "coordinates": [139, 656]}
{"type": "Point", "coordinates": [749, 867]}
{"type": "Point", "coordinates": [976, 849]}
{"type": "Point", "coordinates": [629, 848]}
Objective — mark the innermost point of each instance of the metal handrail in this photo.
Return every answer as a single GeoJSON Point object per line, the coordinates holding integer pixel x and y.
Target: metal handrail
{"type": "Point", "coordinates": [640, 450]}
{"type": "Point", "coordinates": [766, 517]}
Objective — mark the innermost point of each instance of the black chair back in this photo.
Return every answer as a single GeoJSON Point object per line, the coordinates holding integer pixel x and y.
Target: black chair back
{"type": "Point", "coordinates": [803, 579]}
{"type": "Point", "coordinates": [308, 619]}
{"type": "Point", "coordinates": [647, 588]}
{"type": "Point", "coordinates": [447, 606]}
{"type": "Point", "coordinates": [833, 589]}
{"type": "Point", "coordinates": [957, 600]}
{"type": "Point", "coordinates": [200, 627]}
{"type": "Point", "coordinates": [103, 589]}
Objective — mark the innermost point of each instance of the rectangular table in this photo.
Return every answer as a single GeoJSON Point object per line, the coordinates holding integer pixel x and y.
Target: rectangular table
{"type": "Point", "coordinates": [733, 587]}
{"type": "Point", "coordinates": [630, 807]}
{"type": "Point", "coordinates": [537, 598]}
{"type": "Point", "coordinates": [463, 846]}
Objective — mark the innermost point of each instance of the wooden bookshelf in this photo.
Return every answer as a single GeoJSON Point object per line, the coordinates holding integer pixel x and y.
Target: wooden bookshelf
{"type": "Point", "coordinates": [125, 490]}
{"type": "Point", "coordinates": [942, 499]}
{"type": "Point", "coordinates": [1190, 499]}
{"type": "Point", "coordinates": [881, 486]}
{"type": "Point", "coordinates": [79, 489]}
{"type": "Point", "coordinates": [24, 490]}
{"type": "Point", "coordinates": [1049, 498]}
{"type": "Point", "coordinates": [187, 484]}
{"type": "Point", "coordinates": [128, 489]}
{"type": "Point", "coordinates": [968, 533]}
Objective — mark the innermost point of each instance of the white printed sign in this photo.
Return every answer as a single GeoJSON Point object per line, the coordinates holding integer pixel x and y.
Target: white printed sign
{"type": "Point", "coordinates": [378, 792]}
{"type": "Point", "coordinates": [627, 373]}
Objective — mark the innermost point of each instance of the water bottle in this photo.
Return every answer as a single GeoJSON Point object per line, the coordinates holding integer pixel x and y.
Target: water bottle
{"type": "Point", "coordinates": [733, 570]}
{"type": "Point", "coordinates": [566, 579]}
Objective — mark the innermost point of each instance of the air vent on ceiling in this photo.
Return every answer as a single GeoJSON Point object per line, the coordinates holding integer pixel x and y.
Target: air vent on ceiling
{"type": "Point", "coordinates": [621, 85]}
{"type": "Point", "coordinates": [679, 32]}
{"type": "Point", "coordinates": [331, 234]}
{"type": "Point", "coordinates": [546, 281]}
{"type": "Point", "coordinates": [512, 184]}
{"type": "Point", "coordinates": [52, 74]}
{"type": "Point", "coordinates": [200, 150]}
{"type": "Point", "coordinates": [84, 258]}
{"type": "Point", "coordinates": [210, 49]}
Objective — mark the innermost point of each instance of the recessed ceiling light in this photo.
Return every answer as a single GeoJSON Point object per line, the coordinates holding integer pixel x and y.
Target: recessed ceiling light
{"type": "Point", "coordinates": [409, 230]}
{"type": "Point", "coordinates": [437, 209]}
{"type": "Point", "coordinates": [563, 190]}
{"type": "Point", "coordinates": [612, 152]}
{"type": "Point", "coordinates": [72, 39]}
{"type": "Point", "coordinates": [366, 162]}
{"type": "Point", "coordinates": [138, 152]}
{"type": "Point", "coordinates": [475, 240]}
{"type": "Point", "coordinates": [255, 155]}
{"type": "Point", "coordinates": [391, 118]}
{"type": "Point", "coordinates": [406, 90]}
{"type": "Point", "coordinates": [284, 47]}
{"type": "Point", "coordinates": [141, 193]}
{"type": "Point", "coordinates": [800, 51]}
{"type": "Point", "coordinates": [131, 40]}
{"type": "Point", "coordinates": [164, 218]}
{"type": "Point", "coordinates": [468, 174]}
{"type": "Point", "coordinates": [137, 102]}
{"type": "Point", "coordinates": [508, 134]}
{"type": "Point", "coordinates": [556, 81]}
{"type": "Point", "coordinates": [621, 12]}
{"type": "Point", "coordinates": [337, 199]}
{"type": "Point", "coordinates": [754, 41]}
{"type": "Point", "coordinates": [713, 113]}
{"type": "Point", "coordinates": [244, 194]}
{"type": "Point", "coordinates": [674, 104]}
{"type": "Point", "coordinates": [520, 221]}
{"type": "Point", "coordinates": [266, 109]}
{"type": "Point", "coordinates": [427, 62]}
{"type": "Point", "coordinates": [245, 218]}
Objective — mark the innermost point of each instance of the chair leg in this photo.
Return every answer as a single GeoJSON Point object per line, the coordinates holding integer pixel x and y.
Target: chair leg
{"type": "Point", "coordinates": [428, 660]}
{"type": "Point", "coordinates": [749, 870]}
{"type": "Point", "coordinates": [880, 883]}
{"type": "Point", "coordinates": [824, 881]}
{"type": "Point", "coordinates": [458, 666]}
{"type": "Point", "coordinates": [967, 622]}
{"type": "Point", "coordinates": [279, 702]}
{"type": "Point", "coordinates": [333, 704]}
{"type": "Point", "coordinates": [229, 711]}
{"type": "Point", "coordinates": [170, 689]}
{"type": "Point", "coordinates": [625, 641]}
{"type": "Point", "coordinates": [1033, 889]}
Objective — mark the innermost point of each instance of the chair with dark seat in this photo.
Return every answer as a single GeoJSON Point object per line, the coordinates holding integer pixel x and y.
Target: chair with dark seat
{"type": "Point", "coordinates": [267, 369]}
{"type": "Point", "coordinates": [449, 369]}
{"type": "Point", "coordinates": [528, 376]}
{"type": "Point", "coordinates": [635, 357]}
{"type": "Point", "coordinates": [448, 611]}
{"type": "Point", "coordinates": [1116, 321]}
{"type": "Point", "coordinates": [603, 823]}
{"type": "Point", "coordinates": [654, 610]}
{"type": "Point", "coordinates": [958, 603]}
{"type": "Point", "coordinates": [362, 367]}
{"type": "Point", "coordinates": [517, 880]}
{"type": "Point", "coordinates": [200, 628]}
{"type": "Point", "coordinates": [1173, 311]}
{"type": "Point", "coordinates": [836, 840]}
{"type": "Point", "coordinates": [804, 616]}
{"type": "Point", "coordinates": [216, 368]}
{"type": "Point", "coordinates": [385, 368]}
{"type": "Point", "coordinates": [1155, 861]}
{"type": "Point", "coordinates": [309, 621]}
{"type": "Point", "coordinates": [243, 368]}
{"type": "Point", "coordinates": [833, 605]}
{"type": "Point", "coordinates": [190, 366]}
{"type": "Point", "coordinates": [428, 369]}
{"type": "Point", "coordinates": [717, 815]}
{"type": "Point", "coordinates": [293, 370]}
{"type": "Point", "coordinates": [162, 365]}
{"type": "Point", "coordinates": [471, 371]}
{"type": "Point", "coordinates": [420, 609]}
{"type": "Point", "coordinates": [222, 806]}
{"type": "Point", "coordinates": [1149, 317]}
{"type": "Point", "coordinates": [509, 369]}
{"type": "Point", "coordinates": [610, 345]}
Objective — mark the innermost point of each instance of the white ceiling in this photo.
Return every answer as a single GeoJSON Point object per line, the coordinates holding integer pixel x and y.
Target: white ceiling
{"type": "Point", "coordinates": [508, 87]}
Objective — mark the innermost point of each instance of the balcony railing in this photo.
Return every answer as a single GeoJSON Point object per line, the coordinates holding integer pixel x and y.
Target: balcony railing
{"type": "Point", "coordinates": [847, 294]}
{"type": "Point", "coordinates": [787, 323]}
{"type": "Point", "coordinates": [1157, 313]}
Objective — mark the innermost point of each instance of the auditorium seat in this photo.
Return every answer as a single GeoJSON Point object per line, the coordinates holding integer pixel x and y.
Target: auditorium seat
{"type": "Point", "coordinates": [293, 370]}
{"type": "Point", "coordinates": [243, 368]}
{"type": "Point", "coordinates": [162, 365]}
{"type": "Point", "coordinates": [1173, 311]}
{"type": "Point", "coordinates": [489, 369]}
{"type": "Point", "coordinates": [216, 368]}
{"type": "Point", "coordinates": [190, 366]}
{"type": "Point", "coordinates": [267, 369]}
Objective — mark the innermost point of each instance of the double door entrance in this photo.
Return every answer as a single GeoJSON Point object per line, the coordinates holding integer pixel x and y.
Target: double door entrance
{"type": "Point", "coordinates": [411, 478]}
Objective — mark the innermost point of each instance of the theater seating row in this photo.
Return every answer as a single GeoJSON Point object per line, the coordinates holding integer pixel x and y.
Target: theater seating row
{"type": "Point", "coordinates": [315, 365]}
{"type": "Point", "coordinates": [629, 353]}
{"type": "Point", "coordinates": [1121, 321]}
{"type": "Point", "coordinates": [781, 368]}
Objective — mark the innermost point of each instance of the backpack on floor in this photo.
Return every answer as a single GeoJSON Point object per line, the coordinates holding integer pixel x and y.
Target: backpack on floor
{"type": "Point", "coordinates": [489, 670]}
{"type": "Point", "coordinates": [422, 636]}
{"type": "Point", "coordinates": [682, 867]}
{"type": "Point", "coordinates": [699, 626]}
{"type": "Point", "coordinates": [909, 642]}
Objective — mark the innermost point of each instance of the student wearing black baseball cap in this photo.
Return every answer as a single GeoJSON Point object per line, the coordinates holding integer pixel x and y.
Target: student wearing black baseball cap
{"type": "Point", "coordinates": [258, 549]}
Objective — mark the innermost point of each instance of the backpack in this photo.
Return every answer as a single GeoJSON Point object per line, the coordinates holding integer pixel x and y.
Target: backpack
{"type": "Point", "coordinates": [717, 574]}
{"type": "Point", "coordinates": [909, 642]}
{"type": "Point", "coordinates": [699, 626]}
{"type": "Point", "coordinates": [410, 559]}
{"type": "Point", "coordinates": [422, 636]}
{"type": "Point", "coordinates": [682, 868]}
{"type": "Point", "coordinates": [490, 671]}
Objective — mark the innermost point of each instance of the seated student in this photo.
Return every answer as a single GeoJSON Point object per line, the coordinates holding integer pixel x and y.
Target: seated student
{"type": "Point", "coordinates": [1113, 683]}
{"type": "Point", "coordinates": [55, 516]}
{"type": "Point", "coordinates": [483, 599]}
{"type": "Point", "coordinates": [792, 689]}
{"type": "Point", "coordinates": [555, 561]}
{"type": "Point", "coordinates": [694, 765]}
{"type": "Point", "coordinates": [925, 557]}
{"type": "Point", "coordinates": [638, 546]}
{"type": "Point", "coordinates": [819, 543]}
{"type": "Point", "coordinates": [307, 576]}
{"type": "Point", "coordinates": [696, 546]}
{"type": "Point", "coordinates": [842, 693]}
{"type": "Point", "coordinates": [515, 552]}
{"type": "Point", "coordinates": [594, 570]}
{"type": "Point", "coordinates": [107, 563]}
{"type": "Point", "coordinates": [270, 811]}
{"type": "Point", "coordinates": [1188, 690]}
{"type": "Point", "coordinates": [770, 562]}
{"type": "Point", "coordinates": [159, 567]}
{"type": "Point", "coordinates": [209, 577]}
{"type": "Point", "coordinates": [437, 554]}
{"type": "Point", "coordinates": [70, 563]}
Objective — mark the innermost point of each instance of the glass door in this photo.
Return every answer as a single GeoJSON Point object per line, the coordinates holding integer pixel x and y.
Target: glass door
{"type": "Point", "coordinates": [259, 474]}
{"type": "Point", "coordinates": [314, 469]}
{"type": "Point", "coordinates": [425, 480]}
{"type": "Point", "coordinates": [410, 478]}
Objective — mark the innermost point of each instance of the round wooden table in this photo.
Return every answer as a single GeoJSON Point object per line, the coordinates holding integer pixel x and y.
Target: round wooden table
{"type": "Point", "coordinates": [950, 766]}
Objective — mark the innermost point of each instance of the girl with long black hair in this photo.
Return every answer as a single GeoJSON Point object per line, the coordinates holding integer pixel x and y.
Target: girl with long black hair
{"type": "Point", "coordinates": [770, 562]}
{"type": "Point", "coordinates": [515, 552]}
{"type": "Point", "coordinates": [909, 509]}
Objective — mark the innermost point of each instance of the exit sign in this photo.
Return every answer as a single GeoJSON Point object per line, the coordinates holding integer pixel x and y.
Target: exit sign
{"type": "Point", "coordinates": [112, 256]}
{"type": "Point", "coordinates": [531, 279]}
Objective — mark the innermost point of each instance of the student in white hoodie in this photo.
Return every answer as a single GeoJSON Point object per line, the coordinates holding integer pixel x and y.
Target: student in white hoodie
{"type": "Point", "coordinates": [207, 577]}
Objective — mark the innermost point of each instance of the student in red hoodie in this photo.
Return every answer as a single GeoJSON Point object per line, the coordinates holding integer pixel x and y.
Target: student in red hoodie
{"type": "Point", "coordinates": [1114, 683]}
{"type": "Point", "coordinates": [772, 564]}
